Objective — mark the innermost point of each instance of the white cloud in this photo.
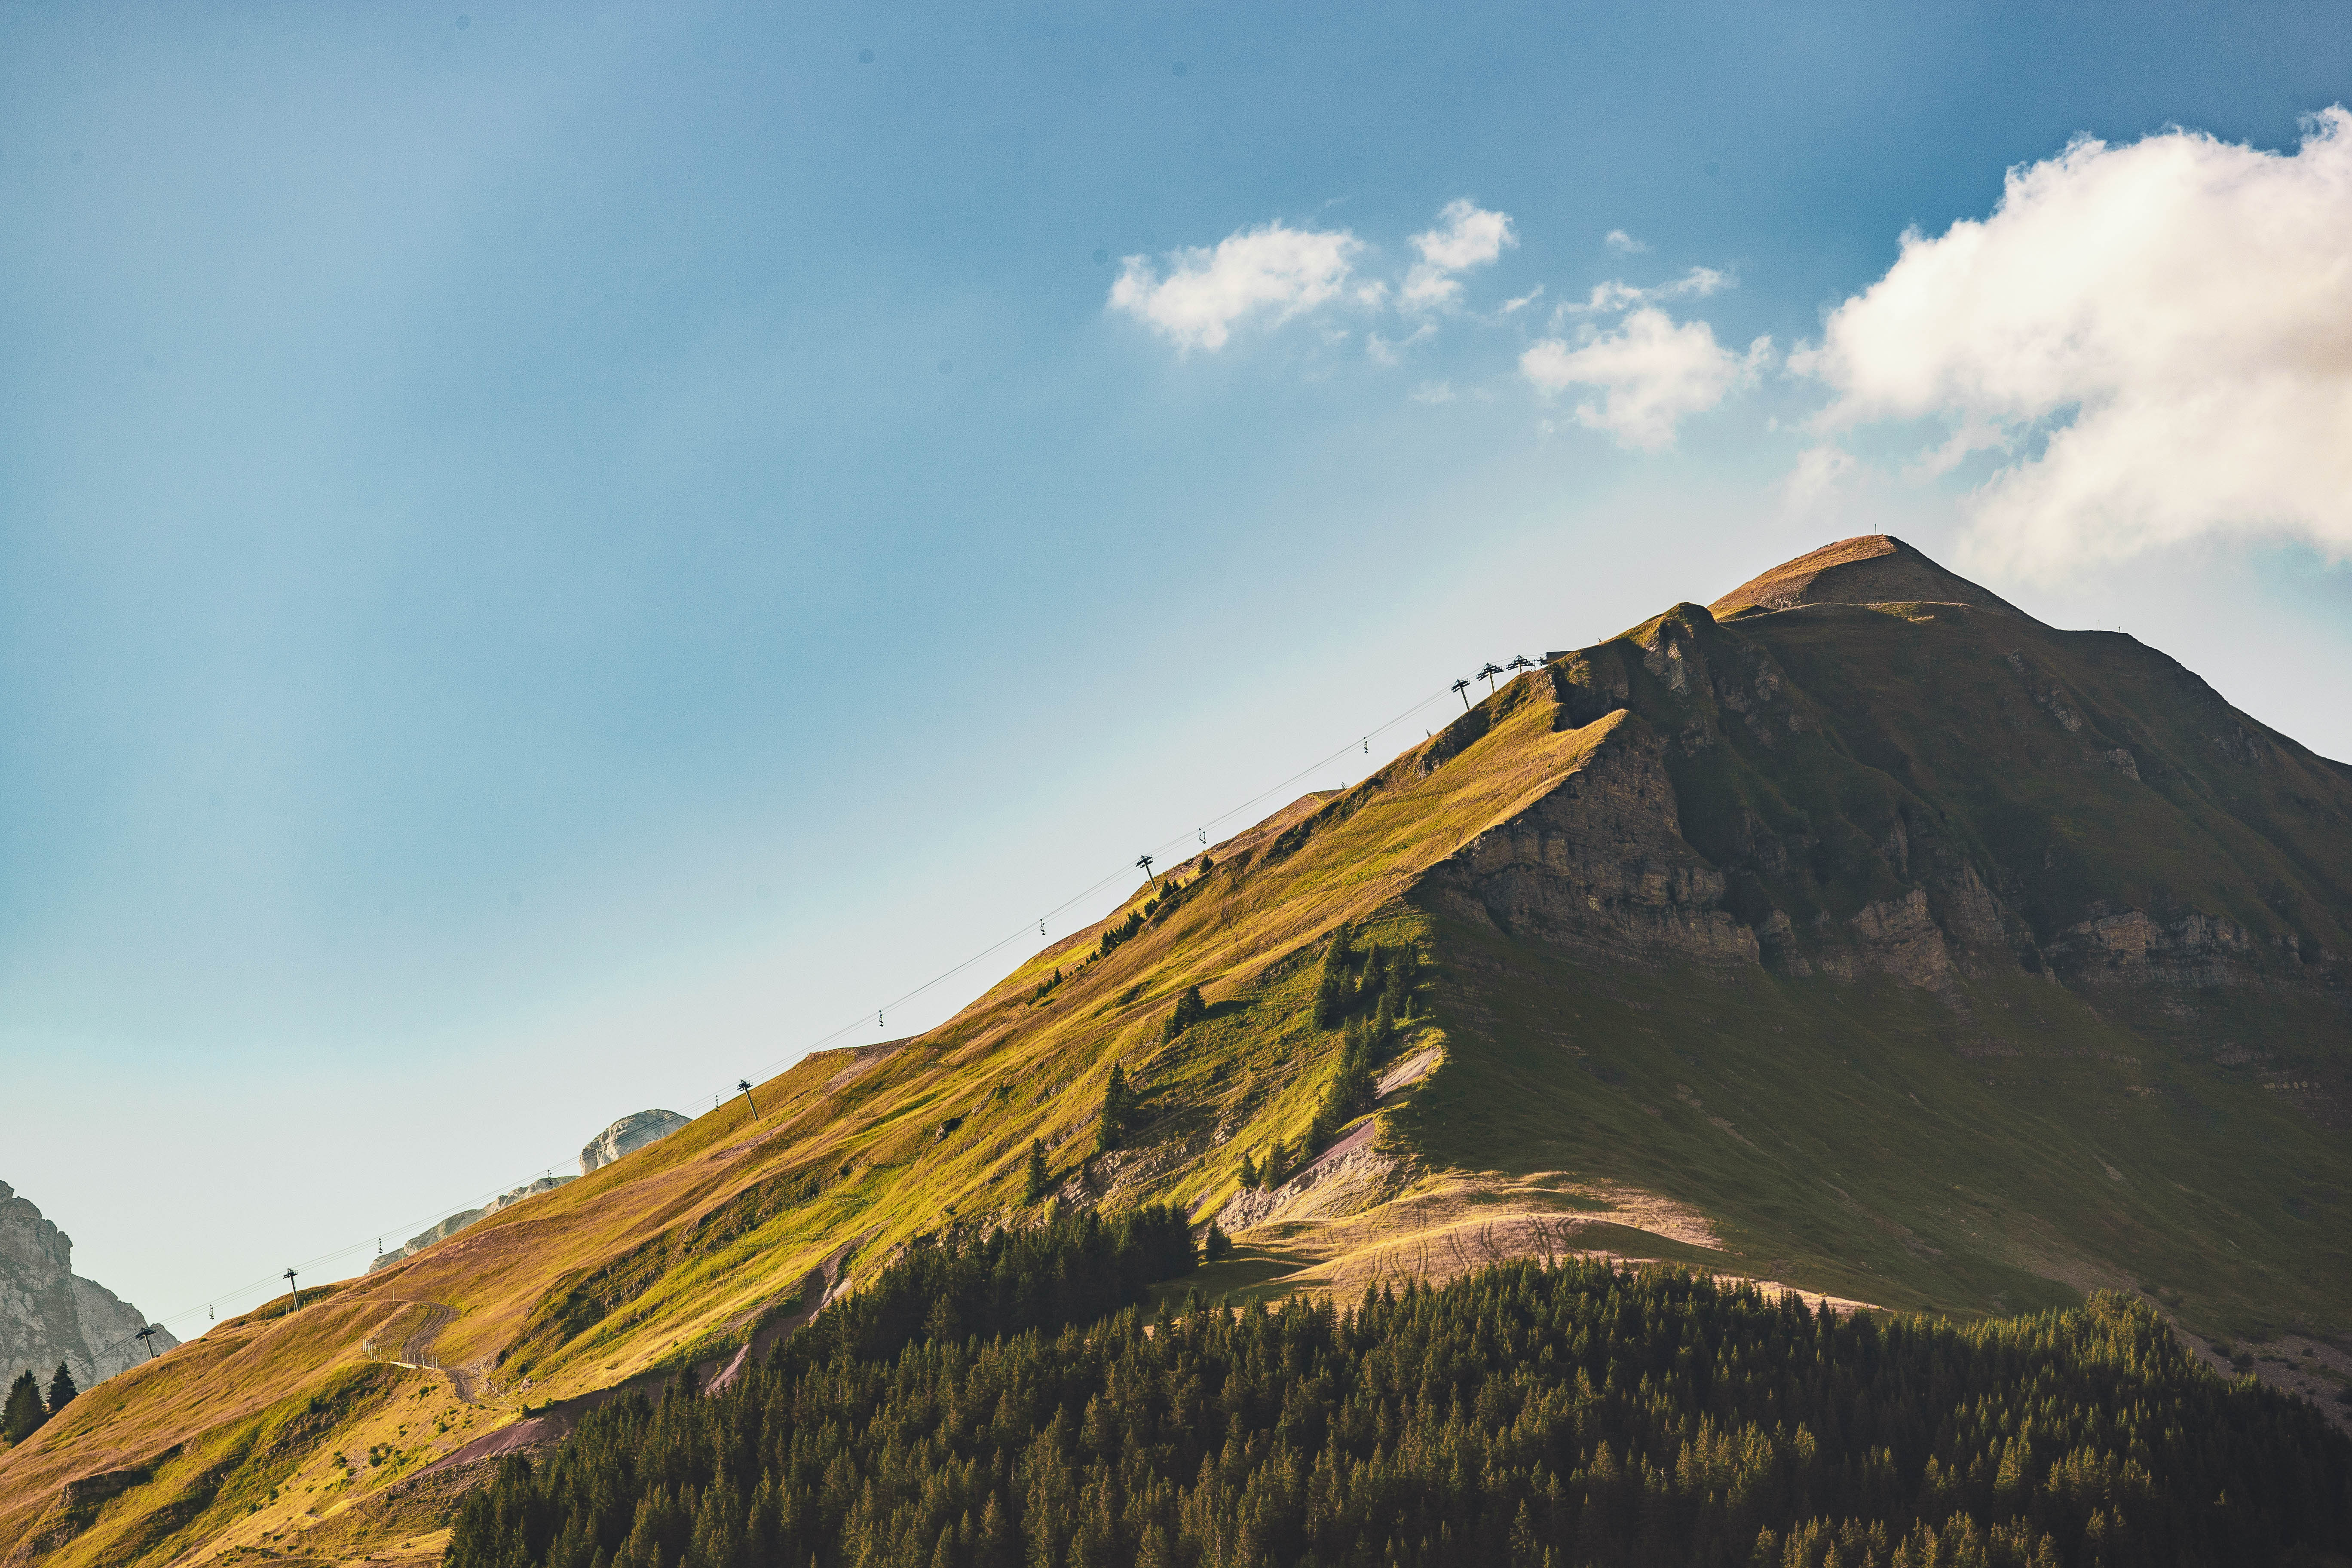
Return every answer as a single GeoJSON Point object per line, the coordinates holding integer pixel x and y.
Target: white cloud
{"type": "Point", "coordinates": [1434, 392]}
{"type": "Point", "coordinates": [1512, 307]}
{"type": "Point", "coordinates": [1272, 273]}
{"type": "Point", "coordinates": [2174, 316]}
{"type": "Point", "coordinates": [1651, 374]}
{"type": "Point", "coordinates": [1625, 243]}
{"type": "Point", "coordinates": [1467, 236]}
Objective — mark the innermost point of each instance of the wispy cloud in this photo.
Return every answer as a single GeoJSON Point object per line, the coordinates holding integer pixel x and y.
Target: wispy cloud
{"type": "Point", "coordinates": [1696, 284]}
{"type": "Point", "coordinates": [1384, 351]}
{"type": "Point", "coordinates": [1625, 243]}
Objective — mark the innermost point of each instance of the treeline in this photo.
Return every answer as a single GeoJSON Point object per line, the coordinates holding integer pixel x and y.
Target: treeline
{"type": "Point", "coordinates": [26, 1412]}
{"type": "Point", "coordinates": [1075, 1268]}
{"type": "Point", "coordinates": [1524, 1418]}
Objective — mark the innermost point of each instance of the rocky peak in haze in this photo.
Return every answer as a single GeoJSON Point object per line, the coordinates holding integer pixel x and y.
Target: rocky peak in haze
{"type": "Point", "coordinates": [50, 1315]}
{"type": "Point", "coordinates": [631, 1132]}
{"type": "Point", "coordinates": [464, 1217]}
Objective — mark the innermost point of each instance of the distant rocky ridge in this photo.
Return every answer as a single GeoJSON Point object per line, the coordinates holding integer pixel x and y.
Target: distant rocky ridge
{"type": "Point", "coordinates": [464, 1217]}
{"type": "Point", "coordinates": [631, 1132]}
{"type": "Point", "coordinates": [50, 1315]}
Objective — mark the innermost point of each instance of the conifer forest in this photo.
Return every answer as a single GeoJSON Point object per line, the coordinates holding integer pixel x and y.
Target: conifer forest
{"type": "Point", "coordinates": [1016, 1404]}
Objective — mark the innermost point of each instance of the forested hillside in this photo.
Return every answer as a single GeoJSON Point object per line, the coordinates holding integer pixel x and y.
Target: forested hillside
{"type": "Point", "coordinates": [1528, 1416]}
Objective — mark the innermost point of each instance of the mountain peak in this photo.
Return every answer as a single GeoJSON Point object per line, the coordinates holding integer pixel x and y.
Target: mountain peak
{"type": "Point", "coordinates": [1869, 569]}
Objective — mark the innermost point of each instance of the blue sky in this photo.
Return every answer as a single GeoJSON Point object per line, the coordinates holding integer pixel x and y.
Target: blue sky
{"type": "Point", "coordinates": [551, 556]}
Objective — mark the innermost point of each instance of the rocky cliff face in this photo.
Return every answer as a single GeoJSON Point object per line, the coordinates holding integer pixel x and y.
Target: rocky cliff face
{"type": "Point", "coordinates": [631, 1132]}
{"type": "Point", "coordinates": [49, 1314]}
{"type": "Point", "coordinates": [1923, 790]}
{"type": "Point", "coordinates": [1600, 863]}
{"type": "Point", "coordinates": [1861, 767]}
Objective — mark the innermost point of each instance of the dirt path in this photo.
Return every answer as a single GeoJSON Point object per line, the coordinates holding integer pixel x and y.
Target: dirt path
{"type": "Point", "coordinates": [414, 1348]}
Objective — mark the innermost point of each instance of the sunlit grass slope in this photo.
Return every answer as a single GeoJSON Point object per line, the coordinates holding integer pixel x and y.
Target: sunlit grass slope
{"type": "Point", "coordinates": [688, 1246]}
{"type": "Point", "coordinates": [1913, 954]}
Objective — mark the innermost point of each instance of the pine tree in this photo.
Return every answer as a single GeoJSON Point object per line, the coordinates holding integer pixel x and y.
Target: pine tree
{"type": "Point", "coordinates": [1398, 990]}
{"type": "Point", "coordinates": [1116, 1108]}
{"type": "Point", "coordinates": [1039, 1179]}
{"type": "Point", "coordinates": [1269, 1175]}
{"type": "Point", "coordinates": [1249, 1173]}
{"type": "Point", "coordinates": [61, 1389]}
{"type": "Point", "coordinates": [23, 1414]}
{"type": "Point", "coordinates": [1190, 1010]}
{"type": "Point", "coordinates": [1332, 994]}
{"type": "Point", "coordinates": [1217, 1246]}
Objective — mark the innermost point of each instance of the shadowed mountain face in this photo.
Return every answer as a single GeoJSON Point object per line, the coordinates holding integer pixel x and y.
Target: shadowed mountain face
{"type": "Point", "coordinates": [1862, 934]}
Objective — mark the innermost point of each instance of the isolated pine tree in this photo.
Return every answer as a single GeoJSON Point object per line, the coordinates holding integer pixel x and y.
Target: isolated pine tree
{"type": "Point", "coordinates": [1217, 1246]}
{"type": "Point", "coordinates": [1332, 992]}
{"type": "Point", "coordinates": [23, 1414]}
{"type": "Point", "coordinates": [1190, 1010]}
{"type": "Point", "coordinates": [1249, 1173]}
{"type": "Point", "coordinates": [1116, 1106]}
{"type": "Point", "coordinates": [61, 1389]}
{"type": "Point", "coordinates": [1397, 990]}
{"type": "Point", "coordinates": [1039, 1179]}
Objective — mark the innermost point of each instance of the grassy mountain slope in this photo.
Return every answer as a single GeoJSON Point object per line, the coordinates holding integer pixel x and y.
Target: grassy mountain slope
{"type": "Point", "coordinates": [1898, 948]}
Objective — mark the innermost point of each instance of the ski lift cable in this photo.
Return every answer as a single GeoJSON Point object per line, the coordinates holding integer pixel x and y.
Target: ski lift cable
{"type": "Point", "coordinates": [320, 1262]}
{"type": "Point", "coordinates": [269, 1282]}
{"type": "Point", "coordinates": [1364, 739]}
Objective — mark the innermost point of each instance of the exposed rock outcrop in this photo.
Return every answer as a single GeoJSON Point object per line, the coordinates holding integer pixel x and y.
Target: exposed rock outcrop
{"type": "Point", "coordinates": [1788, 786]}
{"type": "Point", "coordinates": [1600, 863]}
{"type": "Point", "coordinates": [50, 1315]}
{"type": "Point", "coordinates": [630, 1134]}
